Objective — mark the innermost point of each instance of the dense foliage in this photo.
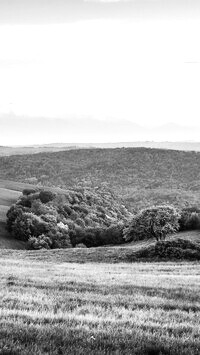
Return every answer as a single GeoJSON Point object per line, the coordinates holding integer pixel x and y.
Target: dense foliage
{"type": "Point", "coordinates": [155, 222]}
{"type": "Point", "coordinates": [45, 219]}
{"type": "Point", "coordinates": [171, 250]}
{"type": "Point", "coordinates": [190, 218]}
{"type": "Point", "coordinates": [143, 177]}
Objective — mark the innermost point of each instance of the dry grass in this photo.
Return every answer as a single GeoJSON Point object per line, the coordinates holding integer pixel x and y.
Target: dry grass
{"type": "Point", "coordinates": [61, 308]}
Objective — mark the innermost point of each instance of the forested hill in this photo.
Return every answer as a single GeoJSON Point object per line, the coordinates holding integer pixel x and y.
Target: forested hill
{"type": "Point", "coordinates": [141, 176]}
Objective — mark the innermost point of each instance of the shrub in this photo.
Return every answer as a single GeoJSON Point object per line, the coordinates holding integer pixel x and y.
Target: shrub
{"type": "Point", "coordinates": [59, 239]}
{"type": "Point", "coordinates": [154, 222]}
{"type": "Point", "coordinates": [40, 242]}
{"type": "Point", "coordinates": [177, 249]}
{"type": "Point", "coordinates": [80, 245]}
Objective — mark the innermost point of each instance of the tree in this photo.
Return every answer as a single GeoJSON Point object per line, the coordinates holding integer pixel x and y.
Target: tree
{"type": "Point", "coordinates": [154, 222]}
{"type": "Point", "coordinates": [12, 214]}
{"type": "Point", "coordinates": [46, 196]}
{"type": "Point", "coordinates": [27, 225]}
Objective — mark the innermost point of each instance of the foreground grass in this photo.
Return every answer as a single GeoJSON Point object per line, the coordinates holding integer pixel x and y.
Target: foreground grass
{"type": "Point", "coordinates": [69, 308]}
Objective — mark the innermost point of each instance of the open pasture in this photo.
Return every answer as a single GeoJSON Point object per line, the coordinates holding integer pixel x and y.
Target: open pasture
{"type": "Point", "coordinates": [69, 308]}
{"type": "Point", "coordinates": [9, 193]}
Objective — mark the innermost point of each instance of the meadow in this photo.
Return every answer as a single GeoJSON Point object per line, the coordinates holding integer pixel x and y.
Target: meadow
{"type": "Point", "coordinates": [52, 307]}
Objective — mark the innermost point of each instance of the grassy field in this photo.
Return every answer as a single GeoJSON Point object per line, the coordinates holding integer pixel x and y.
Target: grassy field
{"type": "Point", "coordinates": [125, 253]}
{"type": "Point", "coordinates": [9, 193]}
{"type": "Point", "coordinates": [68, 308]}
{"type": "Point", "coordinates": [94, 301]}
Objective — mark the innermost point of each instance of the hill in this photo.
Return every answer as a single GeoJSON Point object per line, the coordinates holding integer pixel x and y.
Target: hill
{"type": "Point", "coordinates": [56, 147]}
{"type": "Point", "coordinates": [140, 176]}
{"type": "Point", "coordinates": [34, 149]}
{"type": "Point", "coordinates": [9, 193]}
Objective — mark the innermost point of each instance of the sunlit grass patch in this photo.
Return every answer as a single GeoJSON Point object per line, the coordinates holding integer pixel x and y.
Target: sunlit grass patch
{"type": "Point", "coordinates": [62, 308]}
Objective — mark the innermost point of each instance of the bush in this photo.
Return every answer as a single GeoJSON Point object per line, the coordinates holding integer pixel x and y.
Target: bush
{"type": "Point", "coordinates": [41, 242]}
{"type": "Point", "coordinates": [59, 238]}
{"type": "Point", "coordinates": [154, 222]}
{"type": "Point", "coordinates": [81, 245]}
{"type": "Point", "coordinates": [177, 249]}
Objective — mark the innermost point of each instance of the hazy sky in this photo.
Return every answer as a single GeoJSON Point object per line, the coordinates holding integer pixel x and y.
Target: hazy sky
{"type": "Point", "coordinates": [133, 60]}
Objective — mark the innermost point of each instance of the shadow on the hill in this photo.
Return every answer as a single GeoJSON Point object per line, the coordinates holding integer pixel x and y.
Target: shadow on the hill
{"type": "Point", "coordinates": [7, 241]}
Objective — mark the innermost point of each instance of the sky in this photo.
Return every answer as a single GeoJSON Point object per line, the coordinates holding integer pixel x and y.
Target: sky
{"type": "Point", "coordinates": [99, 61]}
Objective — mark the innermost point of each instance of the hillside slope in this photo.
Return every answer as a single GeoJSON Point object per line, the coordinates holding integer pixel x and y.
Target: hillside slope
{"type": "Point", "coordinates": [140, 176]}
{"type": "Point", "coordinates": [34, 149]}
{"type": "Point", "coordinates": [57, 215]}
{"type": "Point", "coordinates": [10, 191]}
{"type": "Point", "coordinates": [8, 195]}
{"type": "Point", "coordinates": [109, 254]}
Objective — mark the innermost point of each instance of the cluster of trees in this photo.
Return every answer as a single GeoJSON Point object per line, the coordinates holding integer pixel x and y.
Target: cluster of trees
{"type": "Point", "coordinates": [48, 220]}
{"type": "Point", "coordinates": [92, 218]}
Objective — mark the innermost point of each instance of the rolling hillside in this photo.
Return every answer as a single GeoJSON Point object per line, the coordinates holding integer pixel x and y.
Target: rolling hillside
{"type": "Point", "coordinates": [9, 193]}
{"type": "Point", "coordinates": [140, 176]}
{"type": "Point", "coordinates": [56, 147]}
{"type": "Point", "coordinates": [107, 254]}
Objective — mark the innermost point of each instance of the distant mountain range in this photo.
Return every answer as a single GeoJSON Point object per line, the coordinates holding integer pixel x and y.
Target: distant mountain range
{"type": "Point", "coordinates": [33, 133]}
{"type": "Point", "coordinates": [20, 150]}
